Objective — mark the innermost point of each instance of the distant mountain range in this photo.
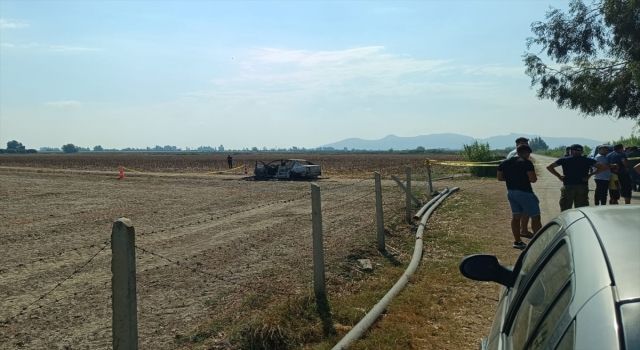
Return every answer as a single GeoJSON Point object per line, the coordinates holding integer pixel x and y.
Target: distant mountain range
{"type": "Point", "coordinates": [451, 141]}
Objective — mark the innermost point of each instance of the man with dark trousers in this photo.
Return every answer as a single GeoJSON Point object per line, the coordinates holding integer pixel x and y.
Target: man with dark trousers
{"type": "Point", "coordinates": [230, 161]}
{"type": "Point", "coordinates": [518, 172]}
{"type": "Point", "coordinates": [576, 169]}
{"type": "Point", "coordinates": [619, 158]}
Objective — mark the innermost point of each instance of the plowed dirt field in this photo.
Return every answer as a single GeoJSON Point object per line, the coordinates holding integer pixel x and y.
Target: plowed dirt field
{"type": "Point", "coordinates": [204, 241]}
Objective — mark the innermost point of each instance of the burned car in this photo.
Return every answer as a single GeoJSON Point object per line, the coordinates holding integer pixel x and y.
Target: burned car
{"type": "Point", "coordinates": [287, 169]}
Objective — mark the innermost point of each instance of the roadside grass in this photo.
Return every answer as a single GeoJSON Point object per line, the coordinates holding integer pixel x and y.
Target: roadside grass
{"type": "Point", "coordinates": [439, 309]}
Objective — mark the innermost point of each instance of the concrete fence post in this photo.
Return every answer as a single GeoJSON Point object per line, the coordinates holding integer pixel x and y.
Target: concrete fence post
{"type": "Point", "coordinates": [429, 177]}
{"type": "Point", "coordinates": [318, 250]}
{"type": "Point", "coordinates": [123, 284]}
{"type": "Point", "coordinates": [408, 191]}
{"type": "Point", "coordinates": [379, 213]}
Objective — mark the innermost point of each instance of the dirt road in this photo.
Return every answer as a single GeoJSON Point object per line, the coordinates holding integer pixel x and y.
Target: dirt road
{"type": "Point", "coordinates": [547, 188]}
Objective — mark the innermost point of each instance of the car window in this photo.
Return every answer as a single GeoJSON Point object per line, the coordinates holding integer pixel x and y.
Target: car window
{"type": "Point", "coordinates": [534, 251]}
{"type": "Point", "coordinates": [568, 339]}
{"type": "Point", "coordinates": [540, 293]}
{"type": "Point", "coordinates": [551, 318]}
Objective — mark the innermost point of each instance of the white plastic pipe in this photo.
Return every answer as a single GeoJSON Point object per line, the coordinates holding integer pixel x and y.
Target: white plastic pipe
{"type": "Point", "coordinates": [377, 310]}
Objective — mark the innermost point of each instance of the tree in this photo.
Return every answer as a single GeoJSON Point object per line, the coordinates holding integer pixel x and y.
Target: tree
{"type": "Point", "coordinates": [15, 145]}
{"type": "Point", "coordinates": [98, 148]}
{"type": "Point", "coordinates": [597, 48]}
{"type": "Point", "coordinates": [69, 148]}
{"type": "Point", "coordinates": [537, 143]}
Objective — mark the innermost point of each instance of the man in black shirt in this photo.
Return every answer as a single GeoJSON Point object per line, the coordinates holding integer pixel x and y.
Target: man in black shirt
{"type": "Point", "coordinates": [519, 173]}
{"type": "Point", "coordinates": [576, 169]}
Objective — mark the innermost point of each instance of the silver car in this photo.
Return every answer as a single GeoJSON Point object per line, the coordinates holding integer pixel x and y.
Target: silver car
{"type": "Point", "coordinates": [575, 286]}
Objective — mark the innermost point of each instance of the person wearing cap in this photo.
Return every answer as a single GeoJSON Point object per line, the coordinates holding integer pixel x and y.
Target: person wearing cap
{"type": "Point", "coordinates": [576, 170]}
{"type": "Point", "coordinates": [619, 158]}
{"type": "Point", "coordinates": [518, 172]}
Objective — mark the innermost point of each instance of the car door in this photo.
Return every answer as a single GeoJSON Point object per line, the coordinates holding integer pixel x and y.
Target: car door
{"type": "Point", "coordinates": [522, 270]}
{"type": "Point", "coordinates": [541, 300]}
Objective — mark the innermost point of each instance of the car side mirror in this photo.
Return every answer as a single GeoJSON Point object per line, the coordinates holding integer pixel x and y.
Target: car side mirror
{"type": "Point", "coordinates": [483, 267]}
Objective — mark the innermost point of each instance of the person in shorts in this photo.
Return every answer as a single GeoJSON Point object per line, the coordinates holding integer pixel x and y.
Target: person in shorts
{"type": "Point", "coordinates": [614, 186]}
{"type": "Point", "coordinates": [524, 218]}
{"type": "Point", "coordinates": [518, 172]}
{"type": "Point", "coordinates": [575, 181]}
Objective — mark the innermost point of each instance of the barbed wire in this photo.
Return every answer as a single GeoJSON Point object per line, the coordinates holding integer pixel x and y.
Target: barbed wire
{"type": "Point", "coordinates": [198, 267]}
{"type": "Point", "coordinates": [25, 308]}
{"type": "Point", "coordinates": [49, 258]}
{"type": "Point", "coordinates": [274, 203]}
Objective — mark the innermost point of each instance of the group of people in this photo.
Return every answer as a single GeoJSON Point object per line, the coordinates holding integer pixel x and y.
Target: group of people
{"type": "Point", "coordinates": [612, 173]}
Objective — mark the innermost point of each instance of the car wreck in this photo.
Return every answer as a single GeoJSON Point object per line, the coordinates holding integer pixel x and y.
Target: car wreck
{"type": "Point", "coordinates": [287, 169]}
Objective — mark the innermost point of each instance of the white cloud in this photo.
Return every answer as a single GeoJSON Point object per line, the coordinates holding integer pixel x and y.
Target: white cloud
{"type": "Point", "coordinates": [495, 70]}
{"type": "Point", "coordinates": [364, 68]}
{"type": "Point", "coordinates": [64, 104]}
{"type": "Point", "coordinates": [8, 24]}
{"type": "Point", "coordinates": [50, 48]}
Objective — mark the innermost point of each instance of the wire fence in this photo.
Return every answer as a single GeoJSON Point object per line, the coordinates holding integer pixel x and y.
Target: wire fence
{"type": "Point", "coordinates": [339, 214]}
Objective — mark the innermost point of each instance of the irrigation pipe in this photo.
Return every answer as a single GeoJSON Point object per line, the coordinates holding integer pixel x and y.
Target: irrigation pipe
{"type": "Point", "coordinates": [381, 306]}
{"type": "Point", "coordinates": [426, 206]}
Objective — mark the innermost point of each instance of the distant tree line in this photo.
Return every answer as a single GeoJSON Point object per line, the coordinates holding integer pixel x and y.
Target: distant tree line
{"type": "Point", "coordinates": [15, 147]}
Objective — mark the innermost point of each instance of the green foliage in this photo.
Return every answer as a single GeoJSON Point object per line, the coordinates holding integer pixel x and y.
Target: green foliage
{"type": "Point", "coordinates": [69, 148]}
{"type": "Point", "coordinates": [556, 153]}
{"type": "Point", "coordinates": [632, 140]}
{"type": "Point", "coordinates": [597, 49]}
{"type": "Point", "coordinates": [480, 152]}
{"type": "Point", "coordinates": [98, 148]}
{"type": "Point", "coordinates": [15, 145]}
{"type": "Point", "coordinates": [537, 143]}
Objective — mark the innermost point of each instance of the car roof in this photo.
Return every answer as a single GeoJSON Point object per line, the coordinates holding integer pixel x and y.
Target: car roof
{"type": "Point", "coordinates": [618, 229]}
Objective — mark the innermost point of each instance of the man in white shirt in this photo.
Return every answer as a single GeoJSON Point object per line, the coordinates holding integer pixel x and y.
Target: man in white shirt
{"type": "Point", "coordinates": [519, 141]}
{"type": "Point", "coordinates": [602, 179]}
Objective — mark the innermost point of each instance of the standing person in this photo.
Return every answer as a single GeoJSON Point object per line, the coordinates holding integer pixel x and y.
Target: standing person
{"type": "Point", "coordinates": [524, 218]}
{"type": "Point", "coordinates": [614, 185]}
{"type": "Point", "coordinates": [602, 179]}
{"type": "Point", "coordinates": [575, 189]}
{"type": "Point", "coordinates": [230, 161]}
{"type": "Point", "coordinates": [619, 158]}
{"type": "Point", "coordinates": [519, 141]}
{"type": "Point", "coordinates": [567, 152]}
{"type": "Point", "coordinates": [518, 172]}
{"type": "Point", "coordinates": [637, 168]}
{"type": "Point", "coordinates": [633, 156]}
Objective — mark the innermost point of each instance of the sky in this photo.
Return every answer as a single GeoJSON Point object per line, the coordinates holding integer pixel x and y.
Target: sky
{"type": "Point", "coordinates": [272, 74]}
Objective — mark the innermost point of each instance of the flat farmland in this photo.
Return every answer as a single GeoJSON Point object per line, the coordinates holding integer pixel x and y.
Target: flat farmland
{"type": "Point", "coordinates": [333, 165]}
{"type": "Point", "coordinates": [205, 243]}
